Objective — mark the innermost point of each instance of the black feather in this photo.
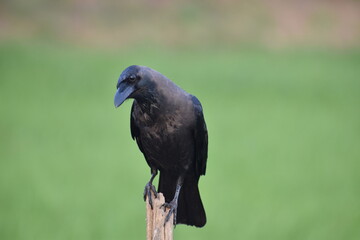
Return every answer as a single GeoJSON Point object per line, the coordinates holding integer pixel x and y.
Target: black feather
{"type": "Point", "coordinates": [169, 127]}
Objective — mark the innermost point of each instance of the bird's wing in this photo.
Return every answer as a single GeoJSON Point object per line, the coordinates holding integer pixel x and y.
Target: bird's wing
{"type": "Point", "coordinates": [201, 138]}
{"type": "Point", "coordinates": [135, 134]}
{"type": "Point", "coordinates": [135, 131]}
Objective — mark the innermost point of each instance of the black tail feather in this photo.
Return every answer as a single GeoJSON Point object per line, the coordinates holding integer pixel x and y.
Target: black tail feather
{"type": "Point", "coordinates": [190, 208]}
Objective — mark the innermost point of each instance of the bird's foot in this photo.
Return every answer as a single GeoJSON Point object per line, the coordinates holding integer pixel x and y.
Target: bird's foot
{"type": "Point", "coordinates": [147, 193]}
{"type": "Point", "coordinates": [173, 210]}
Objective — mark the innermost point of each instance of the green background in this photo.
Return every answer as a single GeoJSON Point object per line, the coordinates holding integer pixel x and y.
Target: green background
{"type": "Point", "coordinates": [283, 143]}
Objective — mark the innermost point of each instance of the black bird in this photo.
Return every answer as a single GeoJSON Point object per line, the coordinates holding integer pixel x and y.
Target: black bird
{"type": "Point", "coordinates": [169, 128]}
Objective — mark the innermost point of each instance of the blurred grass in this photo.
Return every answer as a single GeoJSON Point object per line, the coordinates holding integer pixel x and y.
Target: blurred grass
{"type": "Point", "coordinates": [283, 156]}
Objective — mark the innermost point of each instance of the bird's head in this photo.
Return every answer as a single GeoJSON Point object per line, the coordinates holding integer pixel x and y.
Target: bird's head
{"type": "Point", "coordinates": [133, 82]}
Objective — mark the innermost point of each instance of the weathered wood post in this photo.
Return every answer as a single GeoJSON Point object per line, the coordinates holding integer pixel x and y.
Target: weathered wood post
{"type": "Point", "coordinates": [155, 219]}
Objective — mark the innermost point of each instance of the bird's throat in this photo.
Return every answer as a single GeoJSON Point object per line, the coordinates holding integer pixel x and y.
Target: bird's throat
{"type": "Point", "coordinates": [149, 106]}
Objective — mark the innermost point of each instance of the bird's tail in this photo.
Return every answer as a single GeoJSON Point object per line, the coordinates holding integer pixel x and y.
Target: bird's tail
{"type": "Point", "coordinates": [190, 209]}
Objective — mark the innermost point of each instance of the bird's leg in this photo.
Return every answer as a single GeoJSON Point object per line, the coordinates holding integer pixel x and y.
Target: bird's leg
{"type": "Point", "coordinates": [150, 187]}
{"type": "Point", "coordinates": [173, 205]}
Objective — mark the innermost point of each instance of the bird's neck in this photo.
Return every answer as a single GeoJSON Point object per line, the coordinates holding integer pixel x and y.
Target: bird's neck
{"type": "Point", "coordinates": [158, 101]}
{"type": "Point", "coordinates": [150, 103]}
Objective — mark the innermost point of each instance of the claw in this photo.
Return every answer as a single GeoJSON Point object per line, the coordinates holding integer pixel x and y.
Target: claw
{"type": "Point", "coordinates": [147, 193]}
{"type": "Point", "coordinates": [173, 210]}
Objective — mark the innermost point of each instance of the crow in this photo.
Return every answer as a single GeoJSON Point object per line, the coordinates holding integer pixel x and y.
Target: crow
{"type": "Point", "coordinates": [169, 128]}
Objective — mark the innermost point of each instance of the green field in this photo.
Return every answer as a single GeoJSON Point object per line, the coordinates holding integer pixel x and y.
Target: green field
{"type": "Point", "coordinates": [284, 143]}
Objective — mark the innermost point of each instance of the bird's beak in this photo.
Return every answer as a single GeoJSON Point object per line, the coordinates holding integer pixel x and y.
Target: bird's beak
{"type": "Point", "coordinates": [122, 94]}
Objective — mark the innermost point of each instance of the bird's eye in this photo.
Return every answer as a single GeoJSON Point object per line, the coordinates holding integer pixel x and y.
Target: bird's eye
{"type": "Point", "coordinates": [132, 78]}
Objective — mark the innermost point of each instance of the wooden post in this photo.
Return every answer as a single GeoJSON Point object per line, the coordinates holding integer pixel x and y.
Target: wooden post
{"type": "Point", "coordinates": [155, 219]}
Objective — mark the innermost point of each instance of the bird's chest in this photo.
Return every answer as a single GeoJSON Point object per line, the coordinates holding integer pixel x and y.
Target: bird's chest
{"type": "Point", "coordinates": [166, 141]}
{"type": "Point", "coordinates": [167, 131]}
